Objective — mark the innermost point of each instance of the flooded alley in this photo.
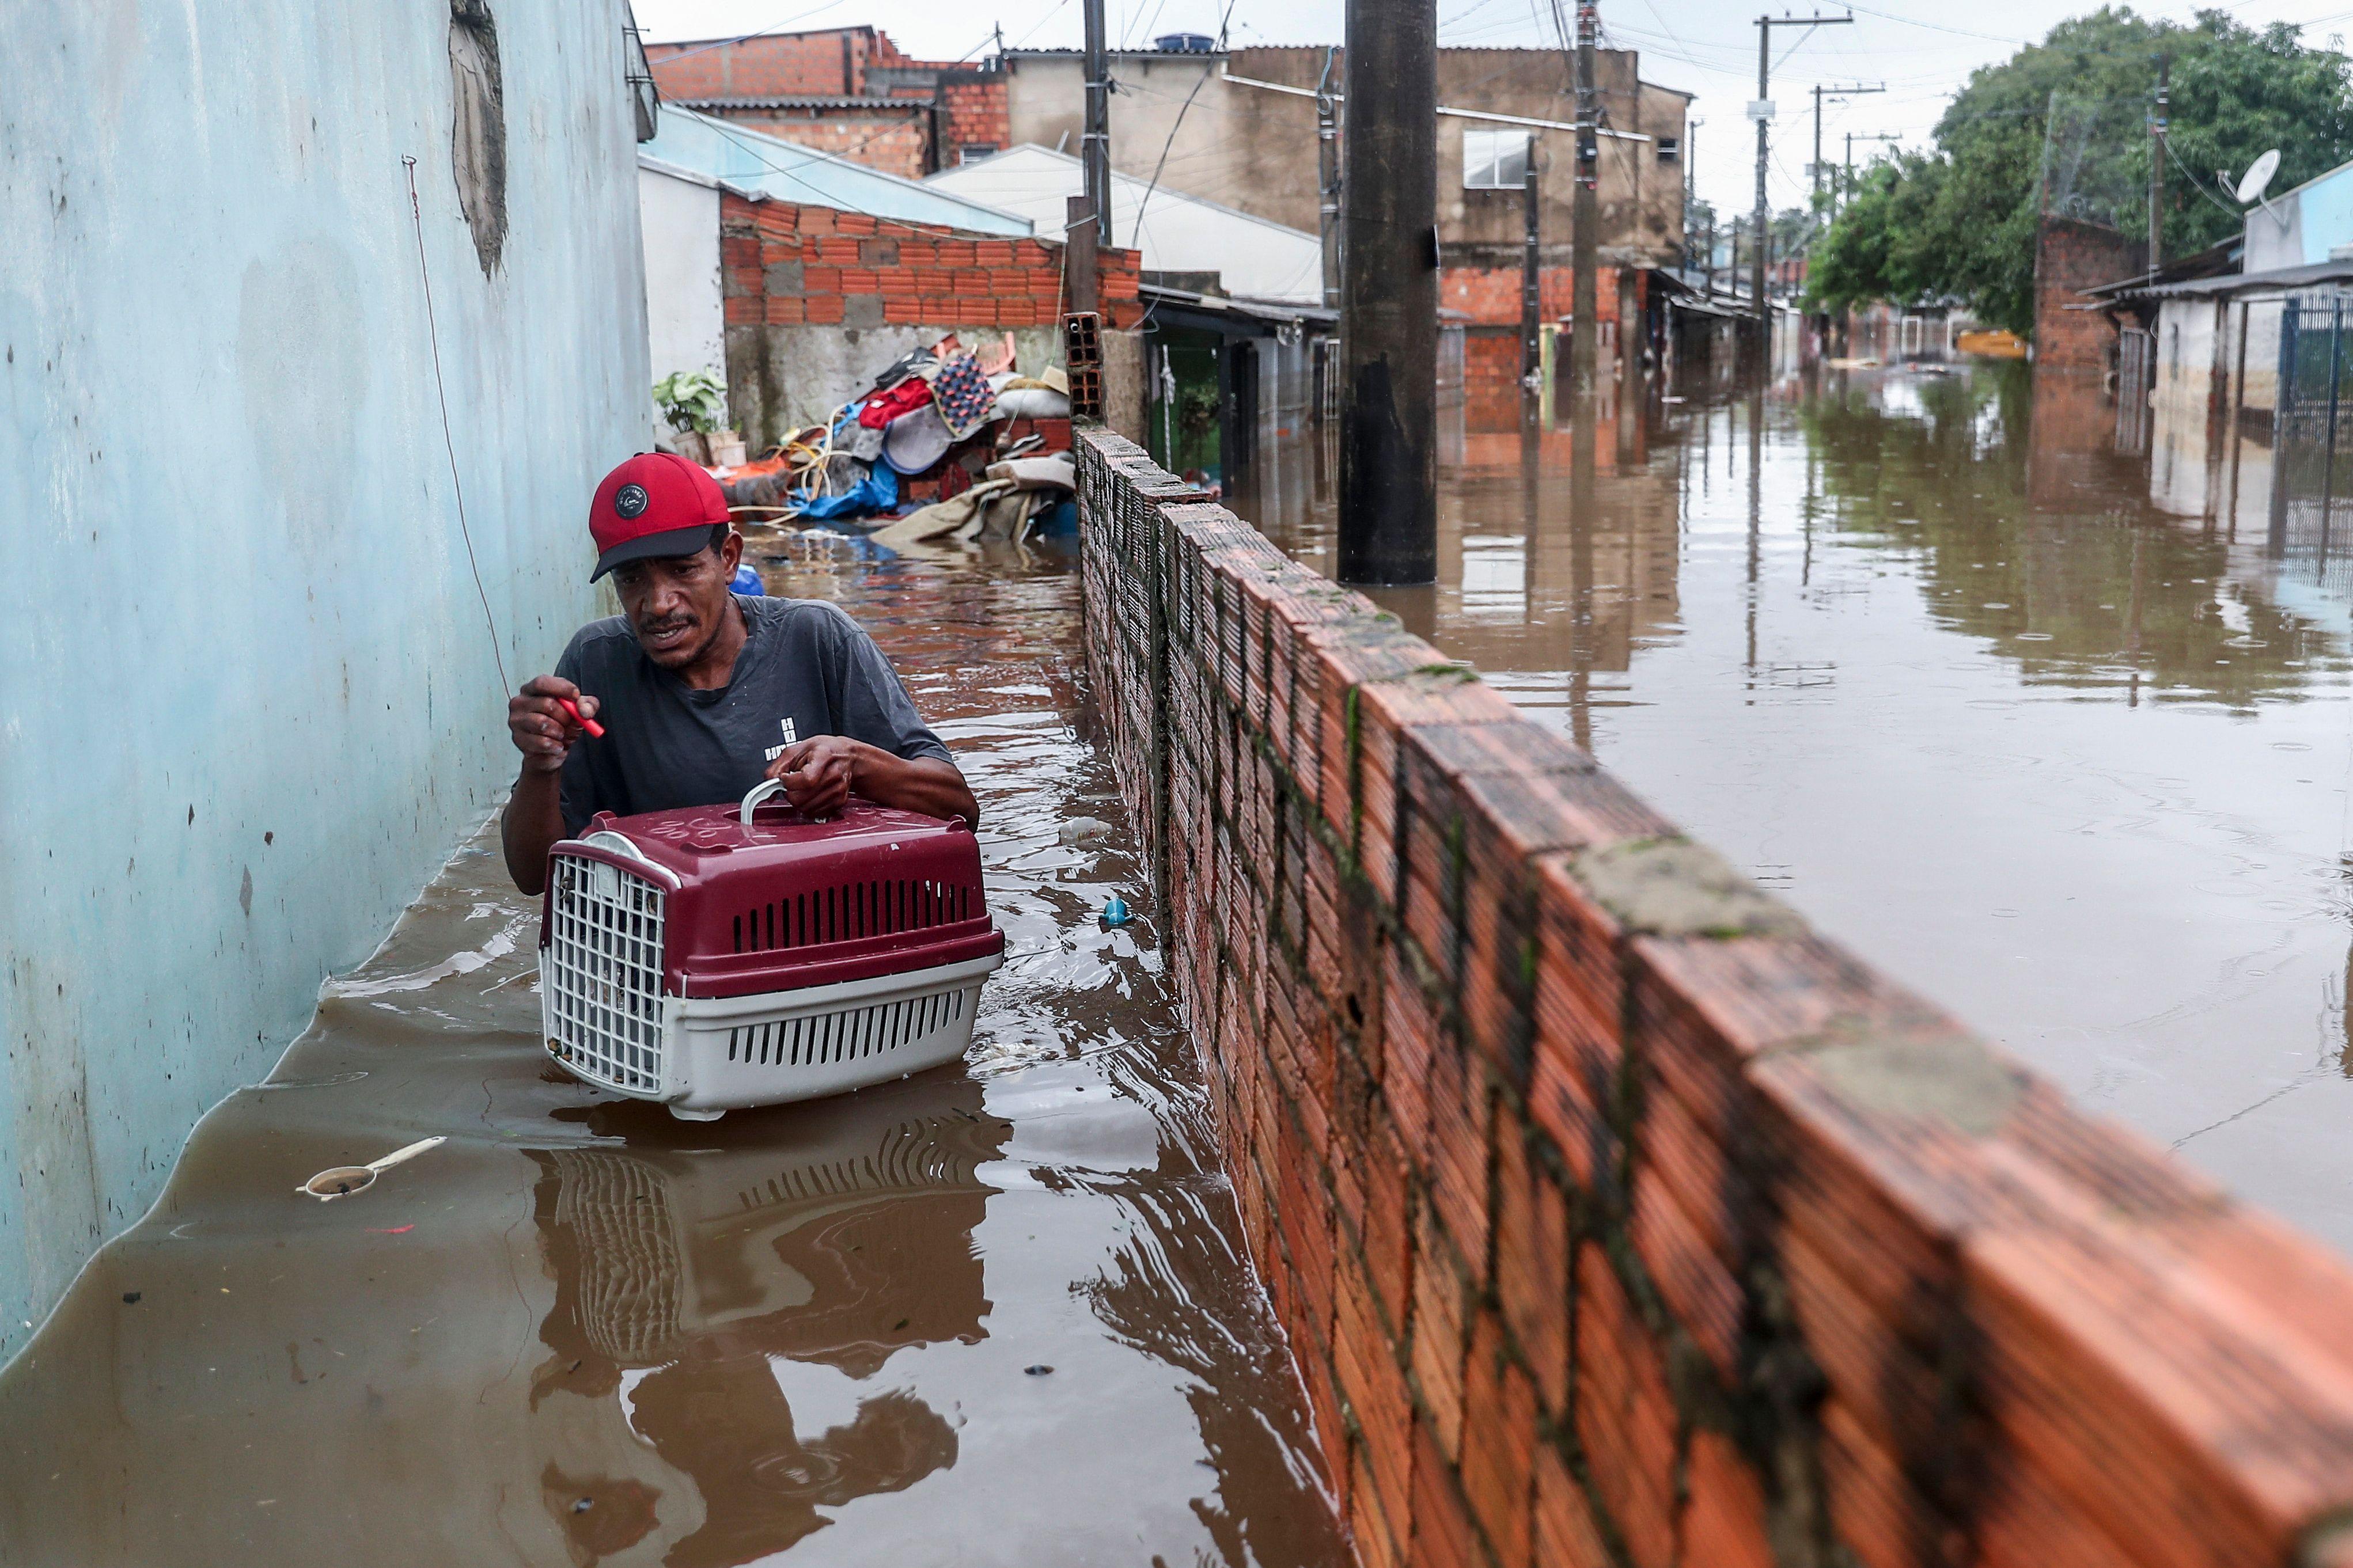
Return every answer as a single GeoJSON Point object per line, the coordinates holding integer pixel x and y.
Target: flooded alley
{"type": "Point", "coordinates": [579, 1331]}
{"type": "Point", "coordinates": [1917, 650]}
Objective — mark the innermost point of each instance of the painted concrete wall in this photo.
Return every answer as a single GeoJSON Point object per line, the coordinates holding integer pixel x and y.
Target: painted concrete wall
{"type": "Point", "coordinates": [686, 321]}
{"type": "Point", "coordinates": [251, 703]}
{"type": "Point", "coordinates": [1253, 147]}
{"type": "Point", "coordinates": [2300, 228]}
{"type": "Point", "coordinates": [1255, 257]}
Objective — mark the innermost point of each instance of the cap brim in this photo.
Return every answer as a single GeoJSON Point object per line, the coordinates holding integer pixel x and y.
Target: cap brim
{"type": "Point", "coordinates": [676, 544]}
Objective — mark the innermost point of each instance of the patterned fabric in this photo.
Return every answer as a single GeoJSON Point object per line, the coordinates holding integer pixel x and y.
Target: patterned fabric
{"type": "Point", "coordinates": [964, 395]}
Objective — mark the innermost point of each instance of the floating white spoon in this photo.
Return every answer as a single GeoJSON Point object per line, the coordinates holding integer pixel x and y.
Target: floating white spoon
{"type": "Point", "coordinates": [339, 1181]}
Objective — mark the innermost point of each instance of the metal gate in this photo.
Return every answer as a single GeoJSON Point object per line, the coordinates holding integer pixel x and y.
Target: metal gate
{"type": "Point", "coordinates": [2310, 482]}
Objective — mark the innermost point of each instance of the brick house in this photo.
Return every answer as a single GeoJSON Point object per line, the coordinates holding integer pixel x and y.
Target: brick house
{"type": "Point", "coordinates": [849, 91]}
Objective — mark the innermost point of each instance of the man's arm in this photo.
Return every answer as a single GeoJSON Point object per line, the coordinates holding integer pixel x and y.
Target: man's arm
{"type": "Point", "coordinates": [822, 771]}
{"type": "Point", "coordinates": [544, 734]}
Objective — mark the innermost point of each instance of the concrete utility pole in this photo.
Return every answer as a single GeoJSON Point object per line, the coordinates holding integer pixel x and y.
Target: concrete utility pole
{"type": "Point", "coordinates": [1836, 95]}
{"type": "Point", "coordinates": [1081, 271]}
{"type": "Point", "coordinates": [1531, 282]}
{"type": "Point", "coordinates": [1388, 295]}
{"type": "Point", "coordinates": [1851, 137]}
{"type": "Point", "coordinates": [1094, 136]}
{"type": "Point", "coordinates": [2156, 129]}
{"type": "Point", "coordinates": [1761, 112]}
{"type": "Point", "coordinates": [1327, 182]}
{"type": "Point", "coordinates": [1585, 234]}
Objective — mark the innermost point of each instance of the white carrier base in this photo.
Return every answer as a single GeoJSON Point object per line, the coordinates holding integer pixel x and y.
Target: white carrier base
{"type": "Point", "coordinates": [726, 1053]}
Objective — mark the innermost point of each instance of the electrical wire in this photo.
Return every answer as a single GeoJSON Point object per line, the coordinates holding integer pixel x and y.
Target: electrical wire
{"type": "Point", "coordinates": [449, 443]}
{"type": "Point", "coordinates": [1136, 238]}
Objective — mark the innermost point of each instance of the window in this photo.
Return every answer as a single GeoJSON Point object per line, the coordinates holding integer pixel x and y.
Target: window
{"type": "Point", "coordinates": [1670, 149]}
{"type": "Point", "coordinates": [1494, 160]}
{"type": "Point", "coordinates": [973, 152]}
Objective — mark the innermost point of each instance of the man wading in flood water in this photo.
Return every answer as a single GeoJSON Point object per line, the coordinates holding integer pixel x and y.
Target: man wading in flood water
{"type": "Point", "coordinates": [703, 694]}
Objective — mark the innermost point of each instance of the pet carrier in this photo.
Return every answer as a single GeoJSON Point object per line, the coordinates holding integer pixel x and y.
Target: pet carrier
{"type": "Point", "coordinates": [717, 957]}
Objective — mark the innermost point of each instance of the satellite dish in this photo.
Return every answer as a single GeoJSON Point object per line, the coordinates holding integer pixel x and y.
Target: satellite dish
{"type": "Point", "coordinates": [2258, 177]}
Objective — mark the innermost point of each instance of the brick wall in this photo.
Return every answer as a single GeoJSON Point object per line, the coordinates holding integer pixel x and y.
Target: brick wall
{"type": "Point", "coordinates": [1491, 295]}
{"type": "Point", "coordinates": [893, 140]}
{"type": "Point", "coordinates": [975, 111]}
{"type": "Point", "coordinates": [787, 264]}
{"type": "Point", "coordinates": [2070, 257]}
{"type": "Point", "coordinates": [1617, 1220]}
{"type": "Point", "coordinates": [782, 65]}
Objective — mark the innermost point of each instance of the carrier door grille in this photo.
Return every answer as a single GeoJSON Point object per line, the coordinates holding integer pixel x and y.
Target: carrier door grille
{"type": "Point", "coordinates": [605, 973]}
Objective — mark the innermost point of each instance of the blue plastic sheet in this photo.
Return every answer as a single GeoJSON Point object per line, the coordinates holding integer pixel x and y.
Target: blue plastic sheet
{"type": "Point", "coordinates": [878, 492]}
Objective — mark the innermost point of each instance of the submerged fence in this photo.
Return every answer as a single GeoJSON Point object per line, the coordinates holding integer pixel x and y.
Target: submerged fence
{"type": "Point", "coordinates": [2312, 439]}
{"type": "Point", "coordinates": [1615, 1219]}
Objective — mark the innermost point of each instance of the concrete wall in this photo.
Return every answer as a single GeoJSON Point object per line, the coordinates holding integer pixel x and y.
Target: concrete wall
{"type": "Point", "coordinates": [1612, 1216]}
{"type": "Point", "coordinates": [1254, 148]}
{"type": "Point", "coordinates": [686, 322]}
{"type": "Point", "coordinates": [251, 703]}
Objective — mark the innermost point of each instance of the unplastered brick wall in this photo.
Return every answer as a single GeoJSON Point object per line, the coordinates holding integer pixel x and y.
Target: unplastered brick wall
{"type": "Point", "coordinates": [1615, 1219]}
{"type": "Point", "coordinates": [786, 265]}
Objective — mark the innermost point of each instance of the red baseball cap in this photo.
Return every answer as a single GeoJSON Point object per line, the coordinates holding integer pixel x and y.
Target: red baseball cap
{"type": "Point", "coordinates": [656, 504]}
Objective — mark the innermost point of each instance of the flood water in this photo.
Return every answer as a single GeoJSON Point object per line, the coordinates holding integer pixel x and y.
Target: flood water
{"type": "Point", "coordinates": [1918, 651]}
{"type": "Point", "coordinates": [996, 1313]}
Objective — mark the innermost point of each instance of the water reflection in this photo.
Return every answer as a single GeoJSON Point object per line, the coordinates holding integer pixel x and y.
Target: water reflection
{"type": "Point", "coordinates": [831, 1236]}
{"type": "Point", "coordinates": [1922, 648]}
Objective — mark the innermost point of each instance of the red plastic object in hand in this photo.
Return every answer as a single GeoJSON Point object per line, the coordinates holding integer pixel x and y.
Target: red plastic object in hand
{"type": "Point", "coordinates": [587, 723]}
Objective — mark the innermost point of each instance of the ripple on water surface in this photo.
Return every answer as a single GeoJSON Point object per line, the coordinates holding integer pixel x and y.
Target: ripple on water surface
{"type": "Point", "coordinates": [995, 1313]}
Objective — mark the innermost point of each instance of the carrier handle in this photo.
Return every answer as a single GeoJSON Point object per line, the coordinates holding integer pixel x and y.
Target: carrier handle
{"type": "Point", "coordinates": [755, 795]}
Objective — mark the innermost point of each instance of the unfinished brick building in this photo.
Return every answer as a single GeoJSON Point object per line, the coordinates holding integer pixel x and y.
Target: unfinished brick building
{"type": "Point", "coordinates": [849, 91]}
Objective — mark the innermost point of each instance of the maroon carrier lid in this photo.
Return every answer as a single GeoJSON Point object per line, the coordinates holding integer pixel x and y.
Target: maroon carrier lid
{"type": "Point", "coordinates": [782, 902]}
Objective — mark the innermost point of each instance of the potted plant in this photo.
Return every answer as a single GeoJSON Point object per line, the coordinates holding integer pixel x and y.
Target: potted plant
{"type": "Point", "coordinates": [694, 402]}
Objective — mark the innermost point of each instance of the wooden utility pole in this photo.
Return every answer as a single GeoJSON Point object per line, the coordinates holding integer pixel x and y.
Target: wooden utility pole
{"type": "Point", "coordinates": [2156, 129]}
{"type": "Point", "coordinates": [1094, 135]}
{"type": "Point", "coordinates": [1761, 112]}
{"type": "Point", "coordinates": [1585, 234]}
{"type": "Point", "coordinates": [1531, 282]}
{"type": "Point", "coordinates": [1388, 295]}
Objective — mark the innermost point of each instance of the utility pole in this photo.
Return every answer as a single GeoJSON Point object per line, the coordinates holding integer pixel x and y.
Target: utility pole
{"type": "Point", "coordinates": [1691, 183]}
{"type": "Point", "coordinates": [1854, 137]}
{"type": "Point", "coordinates": [1584, 303]}
{"type": "Point", "coordinates": [2156, 129]}
{"type": "Point", "coordinates": [1531, 283]}
{"type": "Point", "coordinates": [1388, 295]}
{"type": "Point", "coordinates": [1761, 112]}
{"type": "Point", "coordinates": [1836, 95]}
{"type": "Point", "coordinates": [1327, 182]}
{"type": "Point", "coordinates": [1094, 136]}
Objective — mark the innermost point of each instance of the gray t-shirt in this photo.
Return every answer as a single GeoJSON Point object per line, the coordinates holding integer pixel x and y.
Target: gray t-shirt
{"type": "Point", "coordinates": [807, 669]}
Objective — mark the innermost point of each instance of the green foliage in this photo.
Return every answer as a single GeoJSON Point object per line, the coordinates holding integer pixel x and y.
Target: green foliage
{"type": "Point", "coordinates": [1958, 224]}
{"type": "Point", "coordinates": [691, 400]}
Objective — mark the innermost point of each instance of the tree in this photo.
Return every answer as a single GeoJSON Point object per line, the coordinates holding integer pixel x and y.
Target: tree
{"type": "Point", "coordinates": [2067, 120]}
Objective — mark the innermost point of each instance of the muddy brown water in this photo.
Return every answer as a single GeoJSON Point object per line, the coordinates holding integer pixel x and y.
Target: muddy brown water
{"type": "Point", "coordinates": [995, 1313]}
{"type": "Point", "coordinates": [1920, 652]}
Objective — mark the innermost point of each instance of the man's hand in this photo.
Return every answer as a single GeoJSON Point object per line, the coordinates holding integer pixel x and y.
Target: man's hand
{"type": "Point", "coordinates": [818, 772]}
{"type": "Point", "coordinates": [541, 731]}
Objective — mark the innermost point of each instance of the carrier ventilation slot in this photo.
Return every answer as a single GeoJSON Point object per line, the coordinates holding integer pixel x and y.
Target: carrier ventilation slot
{"type": "Point", "coordinates": [854, 1033]}
{"type": "Point", "coordinates": [852, 910]}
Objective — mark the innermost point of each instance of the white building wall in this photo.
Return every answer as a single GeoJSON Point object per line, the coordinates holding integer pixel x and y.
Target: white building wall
{"type": "Point", "coordinates": [686, 315]}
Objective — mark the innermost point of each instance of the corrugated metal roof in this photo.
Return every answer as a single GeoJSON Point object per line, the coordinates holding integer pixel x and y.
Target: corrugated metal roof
{"type": "Point", "coordinates": [2279, 278]}
{"type": "Point", "coordinates": [764, 165]}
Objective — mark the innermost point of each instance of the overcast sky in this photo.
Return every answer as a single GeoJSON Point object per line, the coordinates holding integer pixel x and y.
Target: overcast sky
{"type": "Point", "coordinates": [1921, 52]}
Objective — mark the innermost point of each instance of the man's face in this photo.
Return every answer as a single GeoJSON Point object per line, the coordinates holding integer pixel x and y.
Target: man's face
{"type": "Point", "coordinates": [677, 604]}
